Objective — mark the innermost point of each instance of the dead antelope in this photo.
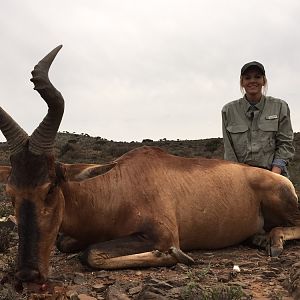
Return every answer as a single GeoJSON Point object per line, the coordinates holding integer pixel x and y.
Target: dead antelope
{"type": "Point", "coordinates": [140, 210]}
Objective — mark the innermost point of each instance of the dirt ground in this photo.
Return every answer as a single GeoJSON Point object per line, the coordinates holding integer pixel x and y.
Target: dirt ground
{"type": "Point", "coordinates": [237, 272]}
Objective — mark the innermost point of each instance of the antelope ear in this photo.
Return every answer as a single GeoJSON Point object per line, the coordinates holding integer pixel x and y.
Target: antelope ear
{"type": "Point", "coordinates": [4, 173]}
{"type": "Point", "coordinates": [79, 172]}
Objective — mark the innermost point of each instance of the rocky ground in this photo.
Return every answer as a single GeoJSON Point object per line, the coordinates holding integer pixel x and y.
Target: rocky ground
{"type": "Point", "coordinates": [237, 272]}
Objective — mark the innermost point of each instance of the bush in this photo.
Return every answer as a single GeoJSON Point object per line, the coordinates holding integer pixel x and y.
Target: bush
{"type": "Point", "coordinates": [212, 145]}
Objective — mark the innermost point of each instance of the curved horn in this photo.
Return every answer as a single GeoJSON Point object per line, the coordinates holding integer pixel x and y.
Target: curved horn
{"type": "Point", "coordinates": [42, 139]}
{"type": "Point", "coordinates": [16, 137]}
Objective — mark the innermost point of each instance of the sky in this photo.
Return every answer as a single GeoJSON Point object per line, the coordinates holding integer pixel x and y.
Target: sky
{"type": "Point", "coordinates": [135, 69]}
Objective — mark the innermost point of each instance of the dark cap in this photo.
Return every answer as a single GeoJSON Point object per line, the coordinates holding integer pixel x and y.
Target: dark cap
{"type": "Point", "coordinates": [253, 64]}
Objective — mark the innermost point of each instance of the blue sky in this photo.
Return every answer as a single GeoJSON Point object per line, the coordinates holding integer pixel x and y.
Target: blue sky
{"type": "Point", "coordinates": [139, 69]}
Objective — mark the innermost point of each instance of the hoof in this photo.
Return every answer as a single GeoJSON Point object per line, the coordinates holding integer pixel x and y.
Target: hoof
{"type": "Point", "coordinates": [93, 259]}
{"type": "Point", "coordinates": [181, 256]}
{"type": "Point", "coordinates": [275, 251]}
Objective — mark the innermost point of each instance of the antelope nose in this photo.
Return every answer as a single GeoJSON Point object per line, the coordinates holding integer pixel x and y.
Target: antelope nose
{"type": "Point", "coordinates": [28, 275]}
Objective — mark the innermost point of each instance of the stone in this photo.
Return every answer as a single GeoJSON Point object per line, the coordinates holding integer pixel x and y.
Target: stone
{"type": "Point", "coordinates": [99, 287]}
{"type": "Point", "coordinates": [8, 222]}
{"type": "Point", "coordinates": [114, 293]}
{"type": "Point", "coordinates": [71, 294]}
{"type": "Point", "coordinates": [86, 297]}
{"type": "Point", "coordinates": [102, 274]}
{"type": "Point", "coordinates": [135, 290]}
{"type": "Point", "coordinates": [175, 292]}
{"type": "Point", "coordinates": [79, 278]}
{"type": "Point", "coordinates": [181, 267]}
{"type": "Point", "coordinates": [151, 293]}
{"type": "Point", "coordinates": [269, 274]}
{"type": "Point", "coordinates": [160, 284]}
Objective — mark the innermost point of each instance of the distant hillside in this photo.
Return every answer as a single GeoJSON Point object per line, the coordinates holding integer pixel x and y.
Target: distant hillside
{"type": "Point", "coordinates": [71, 148]}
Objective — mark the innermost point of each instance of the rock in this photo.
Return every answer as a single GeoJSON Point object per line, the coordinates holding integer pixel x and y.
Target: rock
{"type": "Point", "coordinates": [151, 293]}
{"type": "Point", "coordinates": [79, 278]}
{"type": "Point", "coordinates": [181, 267]}
{"type": "Point", "coordinates": [246, 264]}
{"type": "Point", "coordinates": [239, 283]}
{"type": "Point", "coordinates": [224, 278]}
{"type": "Point", "coordinates": [296, 265]}
{"type": "Point", "coordinates": [102, 274]}
{"type": "Point", "coordinates": [160, 284]}
{"type": "Point", "coordinates": [174, 292]}
{"type": "Point", "coordinates": [80, 288]}
{"type": "Point", "coordinates": [269, 274]}
{"type": "Point", "coordinates": [177, 280]}
{"type": "Point", "coordinates": [62, 277]}
{"type": "Point", "coordinates": [99, 287]}
{"type": "Point", "coordinates": [271, 283]}
{"type": "Point", "coordinates": [86, 297]}
{"type": "Point", "coordinates": [227, 262]}
{"type": "Point", "coordinates": [135, 290]}
{"type": "Point", "coordinates": [115, 293]}
{"type": "Point", "coordinates": [71, 256]}
{"type": "Point", "coordinates": [2, 265]}
{"type": "Point", "coordinates": [8, 222]}
{"type": "Point", "coordinates": [72, 295]}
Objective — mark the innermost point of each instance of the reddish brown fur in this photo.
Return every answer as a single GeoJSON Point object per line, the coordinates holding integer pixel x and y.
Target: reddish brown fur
{"type": "Point", "coordinates": [170, 192]}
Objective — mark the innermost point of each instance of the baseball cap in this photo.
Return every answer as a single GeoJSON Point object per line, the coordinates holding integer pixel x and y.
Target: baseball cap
{"type": "Point", "coordinates": [253, 64]}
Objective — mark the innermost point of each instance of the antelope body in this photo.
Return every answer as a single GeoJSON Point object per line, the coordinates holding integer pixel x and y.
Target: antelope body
{"type": "Point", "coordinates": [141, 210]}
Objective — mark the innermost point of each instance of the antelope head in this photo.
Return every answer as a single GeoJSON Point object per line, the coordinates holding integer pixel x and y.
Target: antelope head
{"type": "Point", "coordinates": [31, 179]}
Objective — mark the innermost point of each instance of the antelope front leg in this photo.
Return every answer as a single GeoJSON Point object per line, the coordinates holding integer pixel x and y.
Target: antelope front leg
{"type": "Point", "coordinates": [146, 259]}
{"type": "Point", "coordinates": [130, 252]}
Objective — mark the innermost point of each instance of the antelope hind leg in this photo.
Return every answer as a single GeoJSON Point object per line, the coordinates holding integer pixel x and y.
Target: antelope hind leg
{"type": "Point", "coordinates": [279, 235]}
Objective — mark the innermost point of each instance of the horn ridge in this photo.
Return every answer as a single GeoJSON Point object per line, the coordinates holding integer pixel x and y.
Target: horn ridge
{"type": "Point", "coordinates": [42, 139]}
{"type": "Point", "coordinates": [16, 137]}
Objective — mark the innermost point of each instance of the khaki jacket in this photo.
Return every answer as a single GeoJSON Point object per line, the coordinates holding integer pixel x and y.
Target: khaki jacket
{"type": "Point", "coordinates": [257, 135]}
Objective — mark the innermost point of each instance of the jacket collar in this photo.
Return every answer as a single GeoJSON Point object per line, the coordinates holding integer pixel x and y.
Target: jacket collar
{"type": "Point", "coordinates": [247, 106]}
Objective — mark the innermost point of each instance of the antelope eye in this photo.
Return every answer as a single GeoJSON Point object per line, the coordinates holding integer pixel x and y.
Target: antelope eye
{"type": "Point", "coordinates": [51, 189]}
{"type": "Point", "coordinates": [49, 195]}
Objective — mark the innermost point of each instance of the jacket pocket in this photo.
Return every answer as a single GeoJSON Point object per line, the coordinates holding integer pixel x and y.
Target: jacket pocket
{"type": "Point", "coordinates": [267, 132]}
{"type": "Point", "coordinates": [238, 134]}
{"type": "Point", "coordinates": [237, 128]}
{"type": "Point", "coordinates": [268, 125]}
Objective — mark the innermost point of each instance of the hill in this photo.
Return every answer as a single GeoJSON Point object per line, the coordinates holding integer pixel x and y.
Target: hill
{"type": "Point", "coordinates": [71, 148]}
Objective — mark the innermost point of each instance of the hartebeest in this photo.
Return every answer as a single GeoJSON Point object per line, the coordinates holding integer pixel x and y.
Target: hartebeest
{"type": "Point", "coordinates": [139, 210]}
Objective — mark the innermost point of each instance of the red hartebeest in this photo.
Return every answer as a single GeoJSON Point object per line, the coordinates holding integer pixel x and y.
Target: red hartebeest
{"type": "Point", "coordinates": [140, 210]}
